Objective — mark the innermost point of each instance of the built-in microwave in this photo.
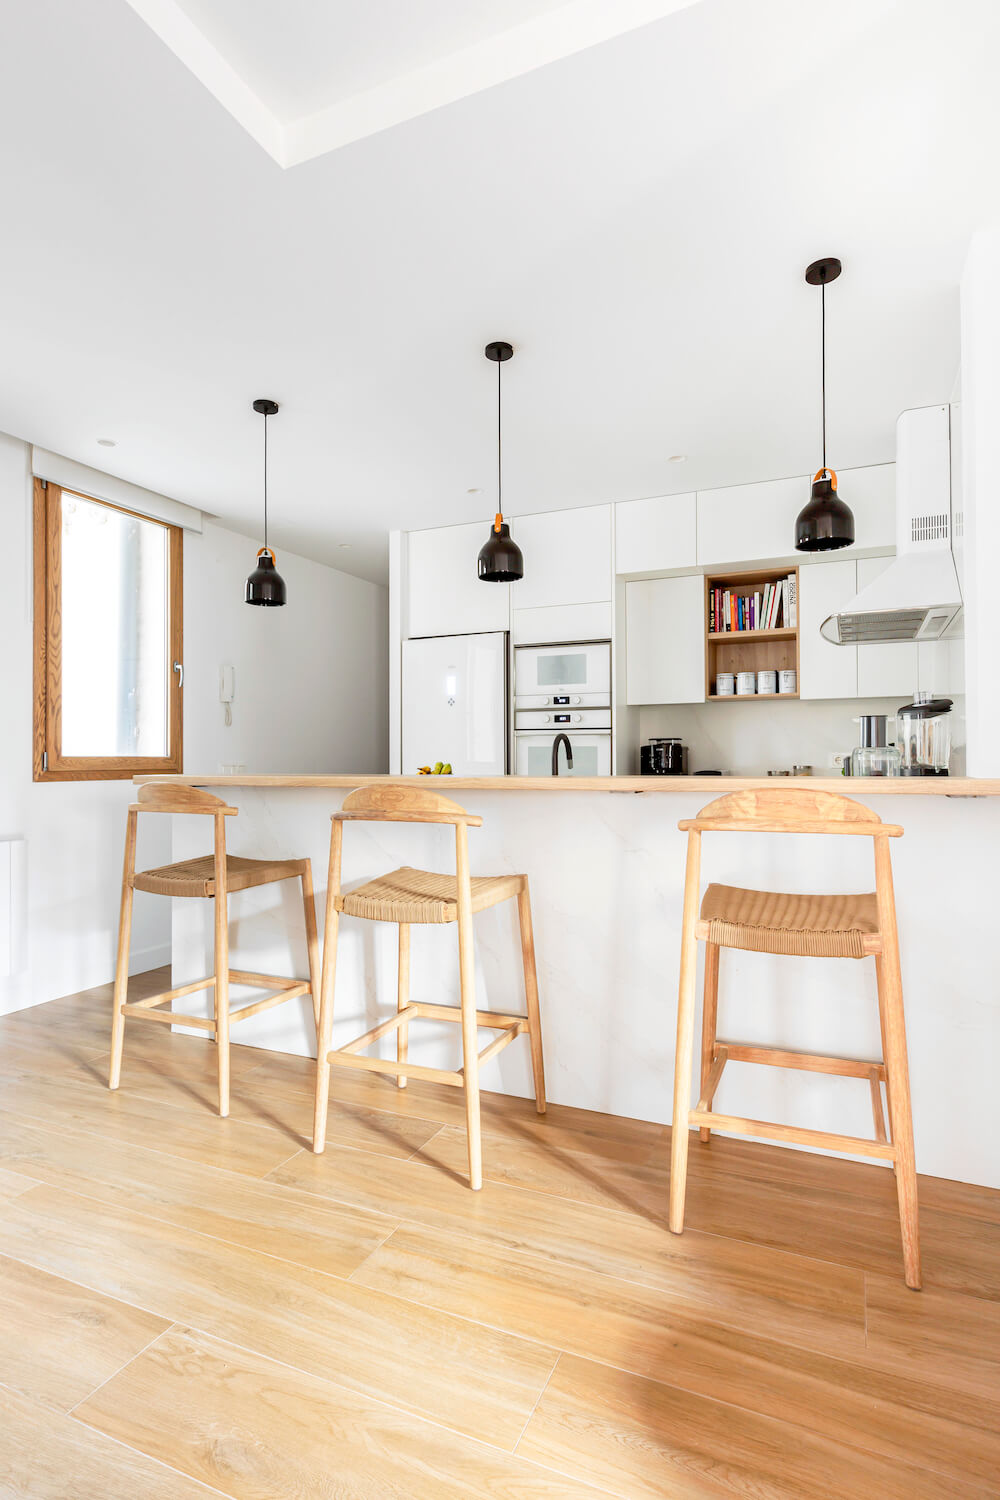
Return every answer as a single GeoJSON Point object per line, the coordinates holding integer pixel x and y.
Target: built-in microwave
{"type": "Point", "coordinates": [566, 675]}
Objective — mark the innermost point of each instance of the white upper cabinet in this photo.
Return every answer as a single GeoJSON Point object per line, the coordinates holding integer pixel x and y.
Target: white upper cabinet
{"type": "Point", "coordinates": [655, 536]}
{"type": "Point", "coordinates": [665, 640]}
{"type": "Point", "coordinates": [885, 669]}
{"type": "Point", "coordinates": [825, 671]}
{"type": "Point", "coordinates": [747, 523]}
{"type": "Point", "coordinates": [567, 557]}
{"type": "Point", "coordinates": [446, 596]}
{"type": "Point", "coordinates": [871, 494]}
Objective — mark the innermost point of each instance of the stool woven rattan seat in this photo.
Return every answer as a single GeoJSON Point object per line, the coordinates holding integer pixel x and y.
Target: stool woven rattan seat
{"type": "Point", "coordinates": [773, 922]}
{"type": "Point", "coordinates": [424, 896]}
{"type": "Point", "coordinates": [410, 897]}
{"type": "Point", "coordinates": [213, 876]}
{"type": "Point", "coordinates": [811, 926]}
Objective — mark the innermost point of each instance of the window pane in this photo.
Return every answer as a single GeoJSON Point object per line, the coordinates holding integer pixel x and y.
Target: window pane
{"type": "Point", "coordinates": [114, 632]}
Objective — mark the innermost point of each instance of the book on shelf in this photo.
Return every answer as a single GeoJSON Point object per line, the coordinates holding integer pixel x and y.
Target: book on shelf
{"type": "Point", "coordinates": [774, 606]}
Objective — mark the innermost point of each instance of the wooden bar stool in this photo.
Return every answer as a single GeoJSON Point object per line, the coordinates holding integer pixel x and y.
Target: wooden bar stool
{"type": "Point", "coordinates": [812, 926]}
{"type": "Point", "coordinates": [214, 877]}
{"type": "Point", "coordinates": [405, 897]}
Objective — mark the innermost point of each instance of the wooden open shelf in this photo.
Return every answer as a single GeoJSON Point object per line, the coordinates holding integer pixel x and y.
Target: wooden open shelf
{"type": "Point", "coordinates": [749, 650]}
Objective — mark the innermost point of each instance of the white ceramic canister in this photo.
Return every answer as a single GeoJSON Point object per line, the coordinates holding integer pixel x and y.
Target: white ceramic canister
{"type": "Point", "coordinates": [746, 684]}
{"type": "Point", "coordinates": [767, 682]}
{"type": "Point", "coordinates": [786, 680]}
{"type": "Point", "coordinates": [725, 685]}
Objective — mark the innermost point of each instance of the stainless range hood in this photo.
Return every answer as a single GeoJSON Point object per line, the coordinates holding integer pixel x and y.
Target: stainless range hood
{"type": "Point", "coordinates": [918, 597]}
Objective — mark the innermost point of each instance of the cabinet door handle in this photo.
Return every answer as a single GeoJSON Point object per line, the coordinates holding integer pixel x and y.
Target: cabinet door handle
{"type": "Point", "coordinates": [179, 669]}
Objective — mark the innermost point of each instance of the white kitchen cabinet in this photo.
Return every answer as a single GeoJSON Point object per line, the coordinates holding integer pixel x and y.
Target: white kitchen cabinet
{"type": "Point", "coordinates": [655, 536]}
{"type": "Point", "coordinates": [561, 622]}
{"type": "Point", "coordinates": [825, 671]}
{"type": "Point", "coordinates": [665, 640]}
{"type": "Point", "coordinates": [885, 669]}
{"type": "Point", "coordinates": [748, 523]}
{"type": "Point", "coordinates": [567, 557]}
{"type": "Point", "coordinates": [445, 593]}
{"type": "Point", "coordinates": [871, 494]}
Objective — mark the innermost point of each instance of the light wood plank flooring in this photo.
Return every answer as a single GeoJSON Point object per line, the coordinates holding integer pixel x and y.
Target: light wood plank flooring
{"type": "Point", "coordinates": [193, 1306]}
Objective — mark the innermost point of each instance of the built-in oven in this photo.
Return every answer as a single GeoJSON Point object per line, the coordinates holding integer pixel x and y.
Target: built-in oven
{"type": "Point", "coordinates": [589, 734]}
{"type": "Point", "coordinates": [563, 676]}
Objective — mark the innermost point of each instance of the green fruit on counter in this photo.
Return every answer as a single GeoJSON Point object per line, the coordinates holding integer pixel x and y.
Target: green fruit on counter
{"type": "Point", "coordinates": [438, 767]}
{"type": "Point", "coordinates": [446, 770]}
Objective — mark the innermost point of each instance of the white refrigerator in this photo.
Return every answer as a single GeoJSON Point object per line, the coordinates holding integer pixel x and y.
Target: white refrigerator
{"type": "Point", "coordinates": [455, 703]}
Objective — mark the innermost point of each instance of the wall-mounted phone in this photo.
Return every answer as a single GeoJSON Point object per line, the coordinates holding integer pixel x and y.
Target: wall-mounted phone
{"type": "Point", "coordinates": [227, 691]}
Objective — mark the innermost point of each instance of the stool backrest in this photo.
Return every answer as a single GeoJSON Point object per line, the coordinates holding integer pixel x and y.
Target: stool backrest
{"type": "Point", "coordinates": [384, 803]}
{"type": "Point", "coordinates": [789, 810]}
{"type": "Point", "coordinates": [160, 796]}
{"type": "Point", "coordinates": [404, 804]}
{"type": "Point", "coordinates": [167, 797]}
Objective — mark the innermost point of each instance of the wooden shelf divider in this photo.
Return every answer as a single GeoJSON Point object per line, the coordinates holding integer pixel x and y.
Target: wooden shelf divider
{"type": "Point", "coordinates": [749, 650]}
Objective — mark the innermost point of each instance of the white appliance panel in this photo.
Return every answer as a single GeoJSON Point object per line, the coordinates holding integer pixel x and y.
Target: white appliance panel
{"type": "Point", "coordinates": [454, 708]}
{"type": "Point", "coordinates": [568, 672]}
{"type": "Point", "coordinates": [591, 753]}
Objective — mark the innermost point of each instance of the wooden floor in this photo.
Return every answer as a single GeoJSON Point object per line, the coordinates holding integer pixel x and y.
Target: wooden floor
{"type": "Point", "coordinates": [197, 1307]}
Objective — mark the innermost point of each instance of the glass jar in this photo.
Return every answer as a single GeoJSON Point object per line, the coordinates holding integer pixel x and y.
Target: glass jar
{"type": "Point", "coordinates": [876, 760]}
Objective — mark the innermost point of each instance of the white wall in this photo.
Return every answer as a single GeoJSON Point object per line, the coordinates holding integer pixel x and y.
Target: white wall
{"type": "Point", "coordinates": [980, 380]}
{"type": "Point", "coordinates": [311, 678]}
{"type": "Point", "coordinates": [750, 739]}
{"type": "Point", "coordinates": [311, 695]}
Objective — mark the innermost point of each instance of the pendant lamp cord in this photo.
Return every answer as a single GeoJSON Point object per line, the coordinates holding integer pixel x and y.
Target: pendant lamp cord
{"type": "Point", "coordinates": [499, 444]}
{"type": "Point", "coordinates": [266, 548]}
{"type": "Point", "coordinates": [822, 290]}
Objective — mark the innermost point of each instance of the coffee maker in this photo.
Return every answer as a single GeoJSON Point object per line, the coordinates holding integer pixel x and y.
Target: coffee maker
{"type": "Point", "coordinates": [923, 734]}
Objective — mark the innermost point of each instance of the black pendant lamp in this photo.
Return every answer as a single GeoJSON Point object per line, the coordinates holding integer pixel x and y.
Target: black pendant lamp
{"type": "Point", "coordinates": [265, 584]}
{"type": "Point", "coordinates": [500, 560]}
{"type": "Point", "coordinates": [826, 523]}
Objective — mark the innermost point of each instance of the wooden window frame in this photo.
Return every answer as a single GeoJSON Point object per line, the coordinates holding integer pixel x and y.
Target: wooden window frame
{"type": "Point", "coordinates": [48, 762]}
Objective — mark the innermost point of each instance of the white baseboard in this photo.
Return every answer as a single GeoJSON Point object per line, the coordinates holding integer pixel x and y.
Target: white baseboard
{"type": "Point", "coordinates": [142, 959]}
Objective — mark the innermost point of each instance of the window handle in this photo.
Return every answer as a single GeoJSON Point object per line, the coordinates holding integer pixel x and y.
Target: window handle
{"type": "Point", "coordinates": [179, 668]}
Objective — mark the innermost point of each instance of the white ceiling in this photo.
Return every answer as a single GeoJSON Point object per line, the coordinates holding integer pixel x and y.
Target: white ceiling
{"type": "Point", "coordinates": [635, 218]}
{"type": "Point", "coordinates": [313, 76]}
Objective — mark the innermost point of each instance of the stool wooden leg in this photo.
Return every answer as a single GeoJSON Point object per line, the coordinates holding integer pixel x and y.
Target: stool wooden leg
{"type": "Point", "coordinates": [470, 1034]}
{"type": "Point", "coordinates": [222, 965]}
{"type": "Point", "coordinates": [685, 1036]}
{"type": "Point", "coordinates": [709, 1021]}
{"type": "Point", "coordinates": [326, 988]}
{"type": "Point", "coordinates": [531, 995]}
{"type": "Point", "coordinates": [885, 1046]}
{"type": "Point", "coordinates": [121, 967]}
{"type": "Point", "coordinates": [312, 939]}
{"type": "Point", "coordinates": [403, 998]}
{"type": "Point", "coordinates": [897, 1071]}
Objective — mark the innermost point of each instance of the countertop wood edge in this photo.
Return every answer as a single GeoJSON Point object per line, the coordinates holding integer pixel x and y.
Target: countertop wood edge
{"type": "Point", "coordinates": [708, 786]}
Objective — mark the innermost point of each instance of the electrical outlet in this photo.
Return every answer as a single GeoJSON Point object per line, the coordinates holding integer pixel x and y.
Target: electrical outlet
{"type": "Point", "coordinates": [839, 758]}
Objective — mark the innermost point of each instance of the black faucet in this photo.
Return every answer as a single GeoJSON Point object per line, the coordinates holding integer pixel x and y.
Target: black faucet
{"type": "Point", "coordinates": [561, 739]}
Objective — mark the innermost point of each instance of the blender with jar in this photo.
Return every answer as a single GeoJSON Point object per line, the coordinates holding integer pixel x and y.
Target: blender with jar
{"type": "Point", "coordinates": [923, 735]}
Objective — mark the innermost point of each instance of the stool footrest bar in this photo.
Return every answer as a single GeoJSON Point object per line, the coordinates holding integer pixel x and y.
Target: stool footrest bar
{"type": "Point", "coordinates": [395, 1069]}
{"type": "Point", "coordinates": [503, 1040]}
{"type": "Point", "coordinates": [454, 1013]}
{"type": "Point", "coordinates": [877, 1114]}
{"type": "Point", "coordinates": [361, 1042]}
{"type": "Point", "coordinates": [168, 1017]}
{"type": "Point", "coordinates": [712, 1081]}
{"type": "Point", "coordinates": [809, 1062]}
{"type": "Point", "coordinates": [242, 1012]}
{"type": "Point", "coordinates": [822, 1139]}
